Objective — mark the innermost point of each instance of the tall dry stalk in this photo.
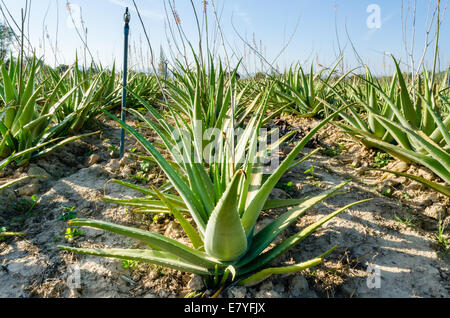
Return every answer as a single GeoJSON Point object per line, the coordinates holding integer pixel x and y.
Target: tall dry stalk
{"type": "Point", "coordinates": [151, 53]}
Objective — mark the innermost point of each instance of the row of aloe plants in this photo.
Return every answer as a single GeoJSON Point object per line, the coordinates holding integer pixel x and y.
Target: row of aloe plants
{"type": "Point", "coordinates": [304, 93]}
{"type": "Point", "coordinates": [410, 121]}
{"type": "Point", "coordinates": [42, 109]}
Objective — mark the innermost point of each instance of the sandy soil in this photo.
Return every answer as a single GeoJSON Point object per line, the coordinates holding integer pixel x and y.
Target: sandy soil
{"type": "Point", "coordinates": [393, 235]}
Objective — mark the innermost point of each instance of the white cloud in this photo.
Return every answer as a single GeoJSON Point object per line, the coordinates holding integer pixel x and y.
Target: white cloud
{"type": "Point", "coordinates": [144, 12]}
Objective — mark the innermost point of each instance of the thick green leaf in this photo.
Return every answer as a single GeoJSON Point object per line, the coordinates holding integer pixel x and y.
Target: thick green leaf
{"type": "Point", "coordinates": [149, 256]}
{"type": "Point", "coordinates": [251, 214]}
{"type": "Point", "coordinates": [154, 239]}
{"type": "Point", "coordinates": [433, 185]}
{"type": "Point", "coordinates": [11, 183]}
{"type": "Point", "coordinates": [267, 235]}
{"type": "Point", "coordinates": [197, 211]}
{"type": "Point", "coordinates": [190, 231]}
{"type": "Point", "coordinates": [225, 237]}
{"type": "Point", "coordinates": [287, 244]}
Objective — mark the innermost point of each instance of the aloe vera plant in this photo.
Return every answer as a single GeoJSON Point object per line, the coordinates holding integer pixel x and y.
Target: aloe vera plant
{"type": "Point", "coordinates": [25, 125]}
{"type": "Point", "coordinates": [144, 85]}
{"type": "Point", "coordinates": [83, 94]}
{"type": "Point", "coordinates": [413, 130]}
{"type": "Point", "coordinates": [301, 90]}
{"type": "Point", "coordinates": [223, 196]}
{"type": "Point", "coordinates": [211, 89]}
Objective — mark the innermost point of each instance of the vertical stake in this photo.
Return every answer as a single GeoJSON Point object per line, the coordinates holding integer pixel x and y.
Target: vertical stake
{"type": "Point", "coordinates": [126, 18]}
{"type": "Point", "coordinates": [165, 72]}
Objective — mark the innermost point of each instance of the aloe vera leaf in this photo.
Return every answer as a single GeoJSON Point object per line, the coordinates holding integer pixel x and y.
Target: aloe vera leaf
{"type": "Point", "coordinates": [433, 185]}
{"type": "Point", "coordinates": [252, 212]}
{"type": "Point", "coordinates": [12, 234]}
{"type": "Point", "coordinates": [262, 275]}
{"type": "Point", "coordinates": [266, 236]}
{"type": "Point", "coordinates": [225, 237]}
{"type": "Point", "coordinates": [192, 203]}
{"type": "Point", "coordinates": [11, 183]}
{"type": "Point", "coordinates": [160, 258]}
{"type": "Point", "coordinates": [287, 244]}
{"type": "Point", "coordinates": [190, 231]}
{"type": "Point", "coordinates": [160, 241]}
{"type": "Point", "coordinates": [411, 156]}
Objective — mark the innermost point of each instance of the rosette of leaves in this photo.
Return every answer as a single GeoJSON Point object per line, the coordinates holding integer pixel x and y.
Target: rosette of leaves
{"type": "Point", "coordinates": [217, 201]}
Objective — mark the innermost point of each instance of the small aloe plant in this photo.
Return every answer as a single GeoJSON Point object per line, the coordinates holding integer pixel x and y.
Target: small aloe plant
{"type": "Point", "coordinates": [224, 197]}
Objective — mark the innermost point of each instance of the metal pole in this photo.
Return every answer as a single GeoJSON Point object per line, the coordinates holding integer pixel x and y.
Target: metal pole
{"type": "Point", "coordinates": [165, 72]}
{"type": "Point", "coordinates": [126, 18]}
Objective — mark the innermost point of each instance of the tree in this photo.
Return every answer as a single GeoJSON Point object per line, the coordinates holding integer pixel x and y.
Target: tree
{"type": "Point", "coordinates": [62, 68]}
{"type": "Point", "coordinates": [6, 38]}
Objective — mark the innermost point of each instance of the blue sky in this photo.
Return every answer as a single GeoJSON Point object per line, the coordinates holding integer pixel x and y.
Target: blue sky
{"type": "Point", "coordinates": [267, 21]}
